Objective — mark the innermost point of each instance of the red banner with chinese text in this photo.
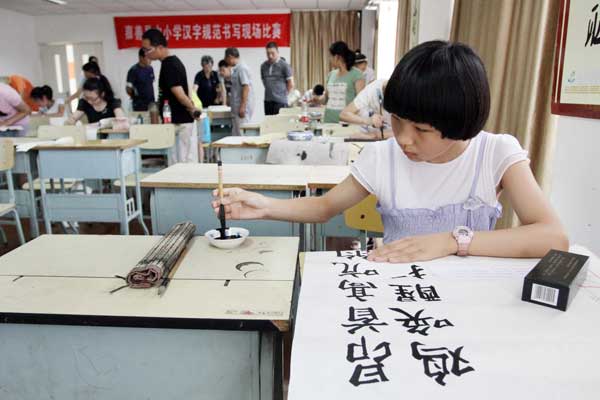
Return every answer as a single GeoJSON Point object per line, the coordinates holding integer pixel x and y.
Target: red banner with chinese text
{"type": "Point", "coordinates": [196, 31]}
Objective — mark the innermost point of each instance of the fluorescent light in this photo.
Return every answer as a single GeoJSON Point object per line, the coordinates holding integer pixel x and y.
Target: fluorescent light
{"type": "Point", "coordinates": [59, 2]}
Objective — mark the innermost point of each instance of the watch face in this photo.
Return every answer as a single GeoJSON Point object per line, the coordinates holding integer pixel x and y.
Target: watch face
{"type": "Point", "coordinates": [463, 232]}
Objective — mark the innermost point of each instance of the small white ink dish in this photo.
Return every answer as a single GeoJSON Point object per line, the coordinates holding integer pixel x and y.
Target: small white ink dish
{"type": "Point", "coordinates": [234, 237]}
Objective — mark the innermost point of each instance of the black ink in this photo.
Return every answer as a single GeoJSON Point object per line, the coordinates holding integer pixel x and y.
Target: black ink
{"type": "Point", "coordinates": [372, 373]}
{"type": "Point", "coordinates": [403, 294]}
{"type": "Point", "coordinates": [353, 270]}
{"type": "Point", "coordinates": [428, 293]}
{"type": "Point", "coordinates": [351, 254]}
{"type": "Point", "coordinates": [415, 273]}
{"type": "Point", "coordinates": [435, 361]}
{"type": "Point", "coordinates": [593, 31]}
{"type": "Point", "coordinates": [365, 318]}
{"type": "Point", "coordinates": [417, 324]}
{"type": "Point", "coordinates": [358, 289]}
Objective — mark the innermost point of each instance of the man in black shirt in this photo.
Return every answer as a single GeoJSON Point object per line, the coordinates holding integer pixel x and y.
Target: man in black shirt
{"type": "Point", "coordinates": [173, 89]}
{"type": "Point", "coordinates": [140, 83]}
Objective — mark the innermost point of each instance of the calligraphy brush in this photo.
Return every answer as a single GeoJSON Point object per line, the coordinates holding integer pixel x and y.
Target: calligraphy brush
{"type": "Point", "coordinates": [223, 228]}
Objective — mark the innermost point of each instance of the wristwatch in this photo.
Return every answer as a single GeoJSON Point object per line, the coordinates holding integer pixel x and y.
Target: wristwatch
{"type": "Point", "coordinates": [463, 236]}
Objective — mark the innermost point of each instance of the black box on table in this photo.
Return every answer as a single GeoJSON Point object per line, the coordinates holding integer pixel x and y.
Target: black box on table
{"type": "Point", "coordinates": [554, 281]}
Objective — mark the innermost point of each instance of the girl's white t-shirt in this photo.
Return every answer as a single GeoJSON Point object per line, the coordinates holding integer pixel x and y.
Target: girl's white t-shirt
{"type": "Point", "coordinates": [383, 169]}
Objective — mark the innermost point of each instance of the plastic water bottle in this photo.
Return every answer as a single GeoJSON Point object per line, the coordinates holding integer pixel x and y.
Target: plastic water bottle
{"type": "Point", "coordinates": [166, 113]}
{"type": "Point", "coordinates": [206, 134]}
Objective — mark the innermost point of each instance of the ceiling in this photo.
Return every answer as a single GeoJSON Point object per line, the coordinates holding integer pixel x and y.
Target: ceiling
{"type": "Point", "coordinates": [42, 7]}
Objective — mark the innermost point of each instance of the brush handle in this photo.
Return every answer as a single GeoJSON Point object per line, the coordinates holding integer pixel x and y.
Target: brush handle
{"type": "Point", "coordinates": [220, 177]}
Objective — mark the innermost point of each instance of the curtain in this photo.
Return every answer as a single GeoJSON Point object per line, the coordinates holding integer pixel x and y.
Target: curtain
{"type": "Point", "coordinates": [312, 34]}
{"type": "Point", "coordinates": [403, 29]}
{"type": "Point", "coordinates": [515, 39]}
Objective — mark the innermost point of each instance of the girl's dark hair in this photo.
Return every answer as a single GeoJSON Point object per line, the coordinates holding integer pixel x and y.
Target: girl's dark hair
{"type": "Point", "coordinates": [40, 92]}
{"type": "Point", "coordinates": [100, 85]}
{"type": "Point", "coordinates": [318, 89]}
{"type": "Point", "coordinates": [341, 49]}
{"type": "Point", "coordinates": [359, 57]}
{"type": "Point", "coordinates": [442, 84]}
{"type": "Point", "coordinates": [91, 67]}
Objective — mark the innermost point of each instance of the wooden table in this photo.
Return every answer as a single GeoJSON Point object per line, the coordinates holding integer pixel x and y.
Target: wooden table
{"type": "Point", "coordinates": [94, 159]}
{"type": "Point", "coordinates": [183, 192]}
{"type": "Point", "coordinates": [214, 334]}
{"type": "Point", "coordinates": [110, 133]}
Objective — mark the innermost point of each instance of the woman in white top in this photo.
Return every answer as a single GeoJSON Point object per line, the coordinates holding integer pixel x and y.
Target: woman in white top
{"type": "Point", "coordinates": [48, 105]}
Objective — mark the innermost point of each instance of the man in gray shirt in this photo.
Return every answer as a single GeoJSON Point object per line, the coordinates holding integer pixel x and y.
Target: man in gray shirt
{"type": "Point", "coordinates": [276, 75]}
{"type": "Point", "coordinates": [242, 96]}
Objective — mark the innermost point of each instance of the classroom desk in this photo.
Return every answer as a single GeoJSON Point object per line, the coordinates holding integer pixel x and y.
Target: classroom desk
{"type": "Point", "coordinates": [94, 159]}
{"type": "Point", "coordinates": [245, 149]}
{"type": "Point", "coordinates": [183, 192]}
{"type": "Point", "coordinates": [216, 333]}
{"type": "Point", "coordinates": [110, 133]}
{"type": "Point", "coordinates": [25, 199]}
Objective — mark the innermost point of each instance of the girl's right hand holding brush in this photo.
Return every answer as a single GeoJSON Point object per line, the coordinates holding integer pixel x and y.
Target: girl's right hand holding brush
{"type": "Point", "coordinates": [241, 204]}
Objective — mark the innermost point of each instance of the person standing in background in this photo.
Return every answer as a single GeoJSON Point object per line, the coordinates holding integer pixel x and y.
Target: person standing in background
{"type": "Point", "coordinates": [140, 83]}
{"type": "Point", "coordinates": [13, 112]}
{"type": "Point", "coordinates": [225, 82]}
{"type": "Point", "coordinates": [206, 83]}
{"type": "Point", "coordinates": [173, 90]}
{"type": "Point", "coordinates": [343, 83]}
{"type": "Point", "coordinates": [242, 96]}
{"type": "Point", "coordinates": [362, 63]}
{"type": "Point", "coordinates": [276, 75]}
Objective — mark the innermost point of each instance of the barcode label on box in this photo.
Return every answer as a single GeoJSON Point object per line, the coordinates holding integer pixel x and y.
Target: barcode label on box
{"type": "Point", "coordinates": [544, 294]}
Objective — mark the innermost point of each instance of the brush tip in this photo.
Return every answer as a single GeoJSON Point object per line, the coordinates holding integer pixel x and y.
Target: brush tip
{"type": "Point", "coordinates": [219, 163]}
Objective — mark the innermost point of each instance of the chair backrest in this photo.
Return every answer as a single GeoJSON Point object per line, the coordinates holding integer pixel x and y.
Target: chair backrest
{"type": "Point", "coordinates": [77, 132]}
{"type": "Point", "coordinates": [35, 121]}
{"type": "Point", "coordinates": [158, 137]}
{"type": "Point", "coordinates": [290, 111]}
{"type": "Point", "coordinates": [7, 154]}
{"type": "Point", "coordinates": [364, 216]}
{"type": "Point", "coordinates": [279, 123]}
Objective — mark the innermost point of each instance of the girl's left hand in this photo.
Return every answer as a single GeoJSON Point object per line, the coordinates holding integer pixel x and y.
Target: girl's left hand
{"type": "Point", "coordinates": [416, 248]}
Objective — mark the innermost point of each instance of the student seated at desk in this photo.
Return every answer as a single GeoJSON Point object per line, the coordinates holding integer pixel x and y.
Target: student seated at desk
{"type": "Point", "coordinates": [314, 97]}
{"type": "Point", "coordinates": [367, 110]}
{"type": "Point", "coordinates": [438, 180]}
{"type": "Point", "coordinates": [47, 104]}
{"type": "Point", "coordinates": [98, 102]}
{"type": "Point", "coordinates": [90, 70]}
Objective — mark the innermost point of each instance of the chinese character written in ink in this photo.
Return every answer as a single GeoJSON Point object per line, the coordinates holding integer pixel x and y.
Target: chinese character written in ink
{"type": "Point", "coordinates": [427, 293]}
{"type": "Point", "coordinates": [351, 254]}
{"type": "Point", "coordinates": [415, 273]}
{"type": "Point", "coordinates": [370, 373]}
{"type": "Point", "coordinates": [353, 270]}
{"type": "Point", "coordinates": [436, 361]}
{"type": "Point", "coordinates": [403, 294]}
{"type": "Point", "coordinates": [358, 290]}
{"type": "Point", "coordinates": [417, 324]}
{"type": "Point", "coordinates": [362, 318]}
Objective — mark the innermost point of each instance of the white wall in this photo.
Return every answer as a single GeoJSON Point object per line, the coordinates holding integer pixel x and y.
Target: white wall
{"type": "Point", "coordinates": [435, 19]}
{"type": "Point", "coordinates": [100, 28]}
{"type": "Point", "coordinates": [20, 53]}
{"type": "Point", "coordinates": [575, 190]}
{"type": "Point", "coordinates": [367, 34]}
